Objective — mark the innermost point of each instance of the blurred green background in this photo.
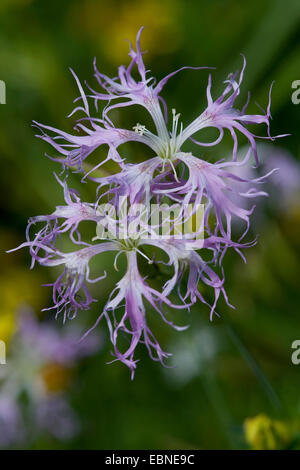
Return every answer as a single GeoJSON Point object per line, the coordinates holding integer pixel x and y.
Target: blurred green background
{"type": "Point", "coordinates": [240, 365]}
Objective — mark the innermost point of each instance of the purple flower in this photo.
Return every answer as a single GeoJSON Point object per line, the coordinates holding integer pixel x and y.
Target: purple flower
{"type": "Point", "coordinates": [216, 185]}
{"type": "Point", "coordinates": [69, 286]}
{"type": "Point", "coordinates": [36, 348]}
{"type": "Point", "coordinates": [183, 256]}
{"type": "Point", "coordinates": [11, 422]}
{"type": "Point", "coordinates": [76, 148]}
{"type": "Point", "coordinates": [133, 181]}
{"type": "Point", "coordinates": [170, 177]}
{"type": "Point", "coordinates": [51, 345]}
{"type": "Point", "coordinates": [55, 416]}
{"type": "Point", "coordinates": [144, 92]}
{"type": "Point", "coordinates": [132, 290]}
{"type": "Point", "coordinates": [72, 214]}
{"type": "Point", "coordinates": [221, 114]}
{"type": "Point", "coordinates": [282, 185]}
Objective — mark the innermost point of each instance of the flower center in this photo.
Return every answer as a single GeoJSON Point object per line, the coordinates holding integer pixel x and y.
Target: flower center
{"type": "Point", "coordinates": [167, 144]}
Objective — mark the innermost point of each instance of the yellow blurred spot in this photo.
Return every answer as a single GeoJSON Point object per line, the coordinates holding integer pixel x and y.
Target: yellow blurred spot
{"type": "Point", "coordinates": [55, 377]}
{"type": "Point", "coordinates": [7, 326]}
{"type": "Point", "coordinates": [264, 433]}
{"type": "Point", "coordinates": [6, 4]}
{"type": "Point", "coordinates": [110, 22]}
{"type": "Point", "coordinates": [19, 287]}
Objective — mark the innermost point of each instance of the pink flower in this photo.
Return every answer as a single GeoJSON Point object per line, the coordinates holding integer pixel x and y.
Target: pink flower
{"type": "Point", "coordinates": [170, 176]}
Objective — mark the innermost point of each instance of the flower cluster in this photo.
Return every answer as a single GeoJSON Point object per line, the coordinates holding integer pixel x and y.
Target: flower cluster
{"type": "Point", "coordinates": [171, 176]}
{"type": "Point", "coordinates": [40, 362]}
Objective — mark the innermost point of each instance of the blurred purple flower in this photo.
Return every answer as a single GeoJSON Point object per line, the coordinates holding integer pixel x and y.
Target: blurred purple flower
{"type": "Point", "coordinates": [53, 345]}
{"type": "Point", "coordinates": [36, 349]}
{"type": "Point", "coordinates": [55, 416]}
{"type": "Point", "coordinates": [11, 422]}
{"type": "Point", "coordinates": [282, 184]}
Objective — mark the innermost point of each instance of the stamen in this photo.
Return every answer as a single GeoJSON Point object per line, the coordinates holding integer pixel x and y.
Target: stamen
{"type": "Point", "coordinates": [116, 259]}
{"type": "Point", "coordinates": [175, 122]}
{"type": "Point", "coordinates": [139, 129]}
{"type": "Point", "coordinates": [174, 171]}
{"type": "Point", "coordinates": [145, 256]}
